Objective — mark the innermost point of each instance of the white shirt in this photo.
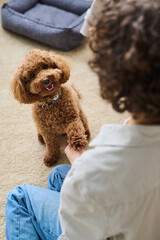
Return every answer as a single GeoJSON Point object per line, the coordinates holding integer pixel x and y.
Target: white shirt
{"type": "Point", "coordinates": [114, 189]}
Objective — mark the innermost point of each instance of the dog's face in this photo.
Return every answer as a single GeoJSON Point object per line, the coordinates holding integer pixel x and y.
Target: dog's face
{"type": "Point", "coordinates": [40, 75]}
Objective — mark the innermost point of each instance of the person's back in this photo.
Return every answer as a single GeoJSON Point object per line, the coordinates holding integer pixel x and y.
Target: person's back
{"type": "Point", "coordinates": [118, 182]}
{"type": "Point", "coordinates": [116, 186]}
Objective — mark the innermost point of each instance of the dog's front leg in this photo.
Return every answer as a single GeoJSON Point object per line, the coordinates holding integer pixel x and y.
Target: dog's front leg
{"type": "Point", "coordinates": [53, 149]}
{"type": "Point", "coordinates": [76, 135]}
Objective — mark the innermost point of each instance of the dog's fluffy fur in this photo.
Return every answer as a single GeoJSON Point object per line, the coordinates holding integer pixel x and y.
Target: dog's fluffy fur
{"type": "Point", "coordinates": [37, 81]}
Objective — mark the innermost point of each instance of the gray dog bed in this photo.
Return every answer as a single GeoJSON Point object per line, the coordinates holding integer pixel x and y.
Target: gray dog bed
{"type": "Point", "coordinates": [56, 23]}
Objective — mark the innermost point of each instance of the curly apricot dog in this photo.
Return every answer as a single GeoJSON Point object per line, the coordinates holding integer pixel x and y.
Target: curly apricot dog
{"type": "Point", "coordinates": [40, 80]}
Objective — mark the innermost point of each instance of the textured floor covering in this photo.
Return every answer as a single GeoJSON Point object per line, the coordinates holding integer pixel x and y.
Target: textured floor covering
{"type": "Point", "coordinates": [21, 155]}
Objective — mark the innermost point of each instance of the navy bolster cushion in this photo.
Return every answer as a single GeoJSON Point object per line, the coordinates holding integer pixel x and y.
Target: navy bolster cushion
{"type": "Point", "coordinates": [56, 23]}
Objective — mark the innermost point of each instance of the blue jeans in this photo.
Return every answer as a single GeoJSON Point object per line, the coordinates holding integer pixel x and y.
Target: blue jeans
{"type": "Point", "coordinates": [33, 212]}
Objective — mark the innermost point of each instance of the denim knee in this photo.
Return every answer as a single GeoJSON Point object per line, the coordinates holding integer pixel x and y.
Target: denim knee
{"type": "Point", "coordinates": [20, 218]}
{"type": "Point", "coordinates": [15, 200]}
{"type": "Point", "coordinates": [15, 196]}
{"type": "Point", "coordinates": [57, 177]}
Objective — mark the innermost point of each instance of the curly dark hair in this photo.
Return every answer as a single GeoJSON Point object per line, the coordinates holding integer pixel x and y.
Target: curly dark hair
{"type": "Point", "coordinates": [126, 46]}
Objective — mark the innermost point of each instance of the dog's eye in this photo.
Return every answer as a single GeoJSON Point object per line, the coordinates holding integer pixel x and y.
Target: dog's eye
{"type": "Point", "coordinates": [32, 75]}
{"type": "Point", "coordinates": [45, 66]}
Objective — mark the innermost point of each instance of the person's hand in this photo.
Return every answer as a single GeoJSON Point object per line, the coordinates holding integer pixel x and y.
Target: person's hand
{"type": "Point", "coordinates": [92, 30]}
{"type": "Point", "coordinates": [72, 154]}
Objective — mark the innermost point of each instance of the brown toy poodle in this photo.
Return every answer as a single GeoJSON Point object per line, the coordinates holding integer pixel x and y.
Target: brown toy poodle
{"type": "Point", "coordinates": [39, 81]}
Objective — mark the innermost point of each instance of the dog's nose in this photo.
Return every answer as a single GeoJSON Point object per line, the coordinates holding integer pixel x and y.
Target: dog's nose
{"type": "Point", "coordinates": [46, 81]}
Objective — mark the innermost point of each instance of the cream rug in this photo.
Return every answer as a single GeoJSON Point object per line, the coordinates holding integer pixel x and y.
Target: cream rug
{"type": "Point", "coordinates": [21, 155]}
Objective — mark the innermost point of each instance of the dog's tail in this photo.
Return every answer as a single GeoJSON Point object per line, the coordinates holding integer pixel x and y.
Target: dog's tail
{"type": "Point", "coordinates": [77, 92]}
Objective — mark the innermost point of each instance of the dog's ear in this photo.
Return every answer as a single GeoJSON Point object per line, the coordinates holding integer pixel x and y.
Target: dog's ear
{"type": "Point", "coordinates": [19, 91]}
{"type": "Point", "coordinates": [62, 64]}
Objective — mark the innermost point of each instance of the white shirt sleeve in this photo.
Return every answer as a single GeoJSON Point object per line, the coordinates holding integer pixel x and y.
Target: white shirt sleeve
{"type": "Point", "coordinates": [81, 216]}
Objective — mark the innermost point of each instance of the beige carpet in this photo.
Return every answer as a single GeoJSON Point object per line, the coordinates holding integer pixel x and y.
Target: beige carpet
{"type": "Point", "coordinates": [21, 155]}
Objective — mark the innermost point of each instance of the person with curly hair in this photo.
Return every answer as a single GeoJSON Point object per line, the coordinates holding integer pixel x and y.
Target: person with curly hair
{"type": "Point", "coordinates": [111, 191]}
{"type": "Point", "coordinates": [122, 187]}
{"type": "Point", "coordinates": [127, 57]}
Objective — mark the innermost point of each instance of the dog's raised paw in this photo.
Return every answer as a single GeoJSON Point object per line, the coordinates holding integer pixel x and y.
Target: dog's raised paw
{"type": "Point", "coordinates": [78, 143]}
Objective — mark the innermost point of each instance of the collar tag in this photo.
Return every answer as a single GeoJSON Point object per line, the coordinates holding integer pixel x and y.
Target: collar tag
{"type": "Point", "coordinates": [53, 100]}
